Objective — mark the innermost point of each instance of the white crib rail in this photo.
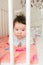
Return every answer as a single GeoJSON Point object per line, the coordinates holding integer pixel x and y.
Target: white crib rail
{"type": "Point", "coordinates": [10, 19]}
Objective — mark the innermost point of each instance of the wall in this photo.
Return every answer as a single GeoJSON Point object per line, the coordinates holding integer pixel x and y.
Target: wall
{"type": "Point", "coordinates": [35, 16]}
{"type": "Point", "coordinates": [18, 7]}
{"type": "Point", "coordinates": [3, 17]}
{"type": "Point", "coordinates": [36, 20]}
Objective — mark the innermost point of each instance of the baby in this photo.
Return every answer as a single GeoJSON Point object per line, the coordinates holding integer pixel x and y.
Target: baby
{"type": "Point", "coordinates": [19, 26]}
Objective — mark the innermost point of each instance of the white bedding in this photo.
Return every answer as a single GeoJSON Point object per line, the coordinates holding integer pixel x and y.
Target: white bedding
{"type": "Point", "coordinates": [9, 64]}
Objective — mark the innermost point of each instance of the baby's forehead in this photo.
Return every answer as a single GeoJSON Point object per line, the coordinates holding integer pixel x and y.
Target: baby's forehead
{"type": "Point", "coordinates": [20, 26]}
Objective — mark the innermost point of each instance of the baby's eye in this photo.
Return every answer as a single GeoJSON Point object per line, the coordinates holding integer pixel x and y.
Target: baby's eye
{"type": "Point", "coordinates": [22, 30]}
{"type": "Point", "coordinates": [16, 29]}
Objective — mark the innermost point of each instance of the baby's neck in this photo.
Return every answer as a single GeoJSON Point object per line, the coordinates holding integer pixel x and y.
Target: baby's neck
{"type": "Point", "coordinates": [19, 39]}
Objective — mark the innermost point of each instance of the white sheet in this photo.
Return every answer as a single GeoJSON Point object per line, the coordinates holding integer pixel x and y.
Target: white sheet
{"type": "Point", "coordinates": [16, 64]}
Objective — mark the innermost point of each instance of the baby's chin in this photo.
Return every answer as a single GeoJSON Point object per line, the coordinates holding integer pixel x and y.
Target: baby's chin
{"type": "Point", "coordinates": [20, 38]}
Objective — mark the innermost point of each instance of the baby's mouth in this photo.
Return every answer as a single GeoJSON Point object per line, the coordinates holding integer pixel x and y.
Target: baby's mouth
{"type": "Point", "coordinates": [19, 37]}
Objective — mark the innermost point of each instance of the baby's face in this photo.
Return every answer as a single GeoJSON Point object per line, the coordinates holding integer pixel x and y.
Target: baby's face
{"type": "Point", "coordinates": [20, 30]}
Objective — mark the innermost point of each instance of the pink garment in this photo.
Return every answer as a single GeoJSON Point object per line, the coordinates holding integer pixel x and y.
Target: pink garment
{"type": "Point", "coordinates": [20, 53]}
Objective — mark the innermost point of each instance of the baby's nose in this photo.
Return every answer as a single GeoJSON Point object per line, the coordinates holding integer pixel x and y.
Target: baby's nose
{"type": "Point", "coordinates": [20, 31]}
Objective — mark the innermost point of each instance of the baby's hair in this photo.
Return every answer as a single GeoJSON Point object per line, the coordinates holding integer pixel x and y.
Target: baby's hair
{"type": "Point", "coordinates": [20, 19]}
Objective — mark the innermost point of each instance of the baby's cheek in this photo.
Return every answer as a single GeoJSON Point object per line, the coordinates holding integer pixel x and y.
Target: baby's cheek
{"type": "Point", "coordinates": [15, 33]}
{"type": "Point", "coordinates": [24, 35]}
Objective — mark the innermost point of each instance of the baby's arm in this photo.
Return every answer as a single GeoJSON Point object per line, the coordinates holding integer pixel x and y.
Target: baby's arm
{"type": "Point", "coordinates": [33, 40]}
